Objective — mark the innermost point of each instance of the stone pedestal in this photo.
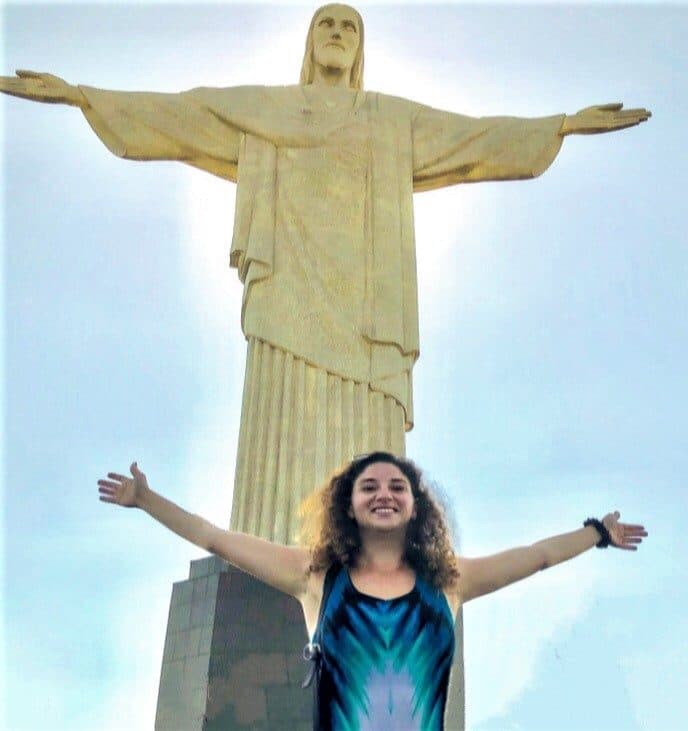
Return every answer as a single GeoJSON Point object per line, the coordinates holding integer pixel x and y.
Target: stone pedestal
{"type": "Point", "coordinates": [232, 657]}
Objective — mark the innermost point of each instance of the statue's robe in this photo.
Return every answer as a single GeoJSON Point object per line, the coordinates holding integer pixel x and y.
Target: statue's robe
{"type": "Point", "coordinates": [324, 245]}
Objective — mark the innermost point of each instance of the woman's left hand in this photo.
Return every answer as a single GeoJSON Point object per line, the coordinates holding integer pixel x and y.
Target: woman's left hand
{"type": "Point", "coordinates": [623, 535]}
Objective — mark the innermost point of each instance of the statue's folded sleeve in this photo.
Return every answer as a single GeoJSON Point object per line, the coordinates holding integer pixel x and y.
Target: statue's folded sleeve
{"type": "Point", "coordinates": [452, 148]}
{"type": "Point", "coordinates": [158, 126]}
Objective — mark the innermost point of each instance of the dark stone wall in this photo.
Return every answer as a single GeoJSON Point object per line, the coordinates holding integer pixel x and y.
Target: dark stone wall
{"type": "Point", "coordinates": [232, 657]}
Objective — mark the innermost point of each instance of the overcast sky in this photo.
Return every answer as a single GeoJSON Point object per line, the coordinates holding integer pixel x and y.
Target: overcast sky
{"type": "Point", "coordinates": [551, 384]}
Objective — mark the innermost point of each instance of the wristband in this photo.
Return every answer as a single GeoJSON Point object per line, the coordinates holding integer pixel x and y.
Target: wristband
{"type": "Point", "coordinates": [601, 528]}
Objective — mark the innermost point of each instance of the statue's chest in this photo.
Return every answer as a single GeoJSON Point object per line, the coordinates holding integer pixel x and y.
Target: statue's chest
{"type": "Point", "coordinates": [331, 142]}
{"type": "Point", "coordinates": [333, 173]}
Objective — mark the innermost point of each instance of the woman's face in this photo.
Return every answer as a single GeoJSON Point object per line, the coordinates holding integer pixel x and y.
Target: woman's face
{"type": "Point", "coordinates": [382, 498]}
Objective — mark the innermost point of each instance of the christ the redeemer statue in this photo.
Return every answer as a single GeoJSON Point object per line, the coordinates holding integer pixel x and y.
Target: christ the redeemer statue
{"type": "Point", "coordinates": [323, 240]}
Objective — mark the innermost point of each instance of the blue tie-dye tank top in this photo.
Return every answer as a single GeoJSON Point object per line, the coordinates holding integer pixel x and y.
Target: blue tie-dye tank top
{"type": "Point", "coordinates": [385, 662]}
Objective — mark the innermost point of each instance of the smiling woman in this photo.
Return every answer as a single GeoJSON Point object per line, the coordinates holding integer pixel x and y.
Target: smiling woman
{"type": "Point", "coordinates": [379, 584]}
{"type": "Point", "coordinates": [383, 601]}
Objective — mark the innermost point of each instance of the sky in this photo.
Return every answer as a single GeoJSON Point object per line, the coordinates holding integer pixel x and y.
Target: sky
{"type": "Point", "coordinates": [551, 384]}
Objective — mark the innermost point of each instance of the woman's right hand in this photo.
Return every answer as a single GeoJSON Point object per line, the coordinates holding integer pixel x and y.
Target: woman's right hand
{"type": "Point", "coordinates": [41, 87]}
{"type": "Point", "coordinates": [122, 490]}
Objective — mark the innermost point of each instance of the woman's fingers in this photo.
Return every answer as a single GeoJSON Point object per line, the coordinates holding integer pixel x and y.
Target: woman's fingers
{"type": "Point", "coordinates": [626, 536]}
{"type": "Point", "coordinates": [633, 531]}
{"type": "Point", "coordinates": [117, 476]}
{"type": "Point", "coordinates": [108, 494]}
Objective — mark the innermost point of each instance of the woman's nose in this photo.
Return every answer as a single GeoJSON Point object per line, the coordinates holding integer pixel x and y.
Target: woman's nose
{"type": "Point", "coordinates": [336, 36]}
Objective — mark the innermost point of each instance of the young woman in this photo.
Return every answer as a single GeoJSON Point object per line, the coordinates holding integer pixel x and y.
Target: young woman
{"type": "Point", "coordinates": [379, 560]}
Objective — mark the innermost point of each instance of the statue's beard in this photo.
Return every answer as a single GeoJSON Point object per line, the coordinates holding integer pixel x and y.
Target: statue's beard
{"type": "Point", "coordinates": [332, 63]}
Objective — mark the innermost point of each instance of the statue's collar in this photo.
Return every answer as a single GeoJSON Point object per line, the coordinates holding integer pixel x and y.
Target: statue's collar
{"type": "Point", "coordinates": [335, 100]}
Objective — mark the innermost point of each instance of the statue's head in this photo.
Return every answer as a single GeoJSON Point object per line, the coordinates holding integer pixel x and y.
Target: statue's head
{"type": "Point", "coordinates": [335, 40]}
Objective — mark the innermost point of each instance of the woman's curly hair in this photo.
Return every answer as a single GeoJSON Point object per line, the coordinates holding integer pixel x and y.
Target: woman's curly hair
{"type": "Point", "coordinates": [333, 536]}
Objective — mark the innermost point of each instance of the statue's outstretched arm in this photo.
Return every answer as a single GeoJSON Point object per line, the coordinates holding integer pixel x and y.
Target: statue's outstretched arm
{"type": "Point", "coordinates": [142, 125]}
{"type": "Point", "coordinates": [42, 87]}
{"type": "Point", "coordinates": [603, 118]}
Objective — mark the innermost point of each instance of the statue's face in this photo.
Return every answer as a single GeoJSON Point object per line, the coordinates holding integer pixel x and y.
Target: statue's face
{"type": "Point", "coordinates": [336, 37]}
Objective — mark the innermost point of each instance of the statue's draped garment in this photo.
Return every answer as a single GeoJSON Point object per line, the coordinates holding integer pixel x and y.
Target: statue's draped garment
{"type": "Point", "coordinates": [324, 245]}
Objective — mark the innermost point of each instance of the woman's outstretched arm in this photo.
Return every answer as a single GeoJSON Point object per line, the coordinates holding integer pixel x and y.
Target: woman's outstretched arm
{"type": "Point", "coordinates": [481, 576]}
{"type": "Point", "coordinates": [283, 567]}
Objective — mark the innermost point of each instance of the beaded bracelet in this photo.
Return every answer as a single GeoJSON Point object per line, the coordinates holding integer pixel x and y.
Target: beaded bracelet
{"type": "Point", "coordinates": [605, 537]}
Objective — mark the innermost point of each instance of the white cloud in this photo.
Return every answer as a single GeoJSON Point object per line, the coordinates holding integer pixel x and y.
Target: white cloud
{"type": "Point", "coordinates": [208, 463]}
{"type": "Point", "coordinates": [657, 680]}
{"type": "Point", "coordinates": [212, 429]}
{"type": "Point", "coordinates": [207, 216]}
{"type": "Point", "coordinates": [505, 634]}
{"type": "Point", "coordinates": [136, 639]}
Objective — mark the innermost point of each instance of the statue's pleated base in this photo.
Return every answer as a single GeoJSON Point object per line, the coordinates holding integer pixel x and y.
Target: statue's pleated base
{"type": "Point", "coordinates": [298, 425]}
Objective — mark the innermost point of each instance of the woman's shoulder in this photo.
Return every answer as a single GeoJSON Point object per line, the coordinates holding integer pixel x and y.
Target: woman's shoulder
{"type": "Point", "coordinates": [453, 587]}
{"type": "Point", "coordinates": [453, 584]}
{"type": "Point", "coordinates": [312, 598]}
{"type": "Point", "coordinates": [317, 576]}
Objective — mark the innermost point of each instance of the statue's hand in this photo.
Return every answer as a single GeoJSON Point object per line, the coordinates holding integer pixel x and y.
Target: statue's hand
{"type": "Point", "coordinates": [603, 118]}
{"type": "Point", "coordinates": [42, 88]}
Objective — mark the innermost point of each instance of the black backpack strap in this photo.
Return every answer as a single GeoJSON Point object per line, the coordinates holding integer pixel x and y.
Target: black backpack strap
{"type": "Point", "coordinates": [312, 652]}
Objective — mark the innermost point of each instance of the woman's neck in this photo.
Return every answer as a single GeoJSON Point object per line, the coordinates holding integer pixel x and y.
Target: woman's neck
{"type": "Point", "coordinates": [383, 553]}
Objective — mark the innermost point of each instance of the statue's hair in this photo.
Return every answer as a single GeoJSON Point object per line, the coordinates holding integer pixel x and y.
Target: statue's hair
{"type": "Point", "coordinates": [333, 536]}
{"type": "Point", "coordinates": [308, 66]}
